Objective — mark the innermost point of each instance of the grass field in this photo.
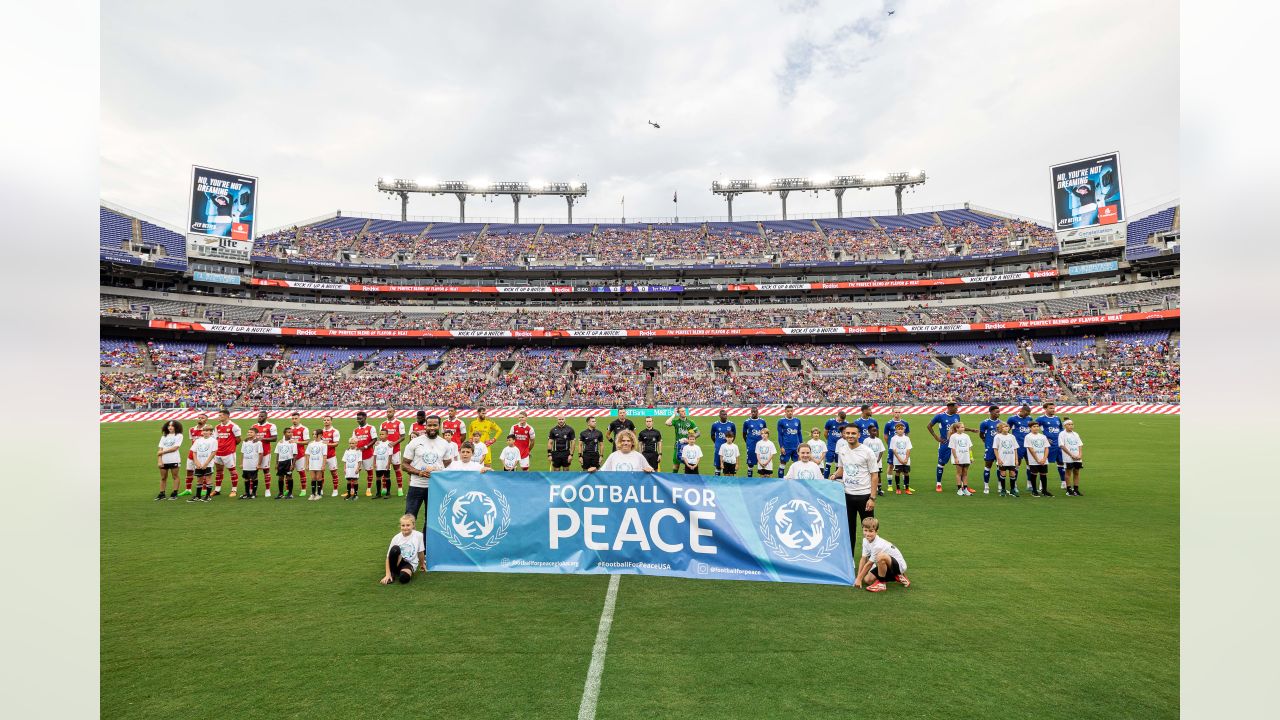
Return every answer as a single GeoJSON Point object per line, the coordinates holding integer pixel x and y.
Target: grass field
{"type": "Point", "coordinates": [1034, 607]}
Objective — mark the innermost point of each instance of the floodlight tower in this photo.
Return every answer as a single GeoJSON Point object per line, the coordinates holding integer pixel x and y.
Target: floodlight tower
{"type": "Point", "coordinates": [899, 181]}
{"type": "Point", "coordinates": [571, 191]}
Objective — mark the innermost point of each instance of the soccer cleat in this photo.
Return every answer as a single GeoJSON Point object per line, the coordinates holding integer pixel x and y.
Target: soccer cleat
{"type": "Point", "coordinates": [205, 499]}
{"type": "Point", "coordinates": [335, 492]}
{"type": "Point", "coordinates": [242, 497]}
{"type": "Point", "coordinates": [903, 581]}
{"type": "Point", "coordinates": [193, 499]}
{"type": "Point", "coordinates": [1013, 491]}
{"type": "Point", "coordinates": [368, 492]}
{"type": "Point", "coordinates": [960, 492]}
{"type": "Point", "coordinates": [302, 493]}
{"type": "Point", "coordinates": [1035, 493]}
{"type": "Point", "coordinates": [986, 489]}
{"type": "Point", "coordinates": [876, 587]}
{"type": "Point", "coordinates": [938, 488]}
{"type": "Point", "coordinates": [233, 492]}
{"type": "Point", "coordinates": [897, 492]}
{"type": "Point", "coordinates": [880, 493]}
{"type": "Point", "coordinates": [1046, 493]}
{"type": "Point", "coordinates": [1064, 484]}
{"type": "Point", "coordinates": [1077, 492]}
{"type": "Point", "coordinates": [269, 494]}
{"type": "Point", "coordinates": [184, 493]}
{"type": "Point", "coordinates": [400, 492]}
{"type": "Point", "coordinates": [1002, 493]}
{"type": "Point", "coordinates": [173, 494]}
{"type": "Point", "coordinates": [909, 491]}
{"type": "Point", "coordinates": [160, 496]}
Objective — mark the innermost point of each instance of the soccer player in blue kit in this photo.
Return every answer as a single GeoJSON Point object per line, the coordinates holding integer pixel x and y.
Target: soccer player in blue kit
{"type": "Point", "coordinates": [864, 422]}
{"type": "Point", "coordinates": [719, 432]}
{"type": "Point", "coordinates": [987, 430]}
{"type": "Point", "coordinates": [789, 435]}
{"type": "Point", "coordinates": [944, 421]}
{"type": "Point", "coordinates": [1051, 426]}
{"type": "Point", "coordinates": [833, 427]}
{"type": "Point", "coordinates": [891, 427]}
{"type": "Point", "coordinates": [1020, 427]}
{"type": "Point", "coordinates": [751, 433]}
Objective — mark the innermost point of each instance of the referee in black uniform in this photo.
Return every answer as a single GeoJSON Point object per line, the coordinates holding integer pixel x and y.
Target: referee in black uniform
{"type": "Point", "coordinates": [589, 441]}
{"type": "Point", "coordinates": [651, 444]}
{"type": "Point", "coordinates": [622, 423]}
{"type": "Point", "coordinates": [560, 444]}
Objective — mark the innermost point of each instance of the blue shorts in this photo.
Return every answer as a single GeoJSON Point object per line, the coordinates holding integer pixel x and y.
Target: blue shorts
{"type": "Point", "coordinates": [832, 456]}
{"type": "Point", "coordinates": [990, 455]}
{"type": "Point", "coordinates": [715, 456]}
{"type": "Point", "coordinates": [1022, 454]}
{"type": "Point", "coordinates": [752, 461]}
{"type": "Point", "coordinates": [789, 455]}
{"type": "Point", "coordinates": [944, 454]}
{"type": "Point", "coordinates": [1055, 455]}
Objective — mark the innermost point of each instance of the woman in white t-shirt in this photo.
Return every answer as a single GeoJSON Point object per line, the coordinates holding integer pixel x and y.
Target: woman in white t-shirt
{"type": "Point", "coordinates": [408, 553]}
{"type": "Point", "coordinates": [169, 455]}
{"type": "Point", "coordinates": [625, 458]}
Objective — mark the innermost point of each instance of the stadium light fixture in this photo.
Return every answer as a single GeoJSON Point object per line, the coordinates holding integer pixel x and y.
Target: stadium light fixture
{"type": "Point", "coordinates": [571, 191]}
{"type": "Point", "coordinates": [899, 181]}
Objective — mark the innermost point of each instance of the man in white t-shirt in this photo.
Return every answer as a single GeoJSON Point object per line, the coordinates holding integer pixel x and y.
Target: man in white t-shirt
{"type": "Point", "coordinates": [805, 468]}
{"type": "Point", "coordinates": [406, 553]}
{"type": "Point", "coordinates": [900, 460]}
{"type": "Point", "coordinates": [859, 471]}
{"type": "Point", "coordinates": [881, 560]}
{"type": "Point", "coordinates": [765, 451]}
{"type": "Point", "coordinates": [427, 453]}
{"type": "Point", "coordinates": [1073, 455]}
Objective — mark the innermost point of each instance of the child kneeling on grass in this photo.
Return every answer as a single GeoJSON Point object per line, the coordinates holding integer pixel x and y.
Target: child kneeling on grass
{"type": "Point", "coordinates": [406, 554]}
{"type": "Point", "coordinates": [881, 560]}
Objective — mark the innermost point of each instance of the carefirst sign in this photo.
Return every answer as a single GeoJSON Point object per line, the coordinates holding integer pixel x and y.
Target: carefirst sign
{"type": "Point", "coordinates": [693, 526]}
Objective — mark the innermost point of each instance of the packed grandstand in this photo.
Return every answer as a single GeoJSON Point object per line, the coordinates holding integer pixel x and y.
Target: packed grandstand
{"type": "Point", "coordinates": [958, 303]}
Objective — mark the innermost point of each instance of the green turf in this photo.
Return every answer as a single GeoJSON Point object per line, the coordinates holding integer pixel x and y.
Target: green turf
{"type": "Point", "coordinates": [1034, 607]}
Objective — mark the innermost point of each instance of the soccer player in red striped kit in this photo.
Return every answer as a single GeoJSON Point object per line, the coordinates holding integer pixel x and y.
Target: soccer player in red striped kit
{"type": "Point", "coordinates": [227, 434]}
{"type": "Point", "coordinates": [330, 436]}
{"type": "Point", "coordinates": [524, 436]}
{"type": "Point", "coordinates": [364, 437]}
{"type": "Point", "coordinates": [298, 434]}
{"type": "Point", "coordinates": [266, 435]}
{"type": "Point", "coordinates": [394, 428]}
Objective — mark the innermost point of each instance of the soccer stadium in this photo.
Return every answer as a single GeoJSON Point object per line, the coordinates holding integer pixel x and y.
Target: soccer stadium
{"type": "Point", "coordinates": [640, 468]}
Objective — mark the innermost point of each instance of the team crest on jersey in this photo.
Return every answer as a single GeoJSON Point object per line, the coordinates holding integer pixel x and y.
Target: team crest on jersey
{"type": "Point", "coordinates": [474, 520]}
{"type": "Point", "coordinates": [796, 529]}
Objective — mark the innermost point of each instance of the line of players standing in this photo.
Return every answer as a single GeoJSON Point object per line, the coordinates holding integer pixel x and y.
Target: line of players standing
{"type": "Point", "coordinates": [1018, 441]}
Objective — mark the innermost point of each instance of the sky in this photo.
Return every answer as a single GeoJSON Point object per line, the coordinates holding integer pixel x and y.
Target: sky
{"type": "Point", "coordinates": [319, 100]}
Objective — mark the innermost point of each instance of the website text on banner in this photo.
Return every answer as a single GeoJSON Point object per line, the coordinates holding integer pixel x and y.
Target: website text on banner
{"type": "Point", "coordinates": [693, 526]}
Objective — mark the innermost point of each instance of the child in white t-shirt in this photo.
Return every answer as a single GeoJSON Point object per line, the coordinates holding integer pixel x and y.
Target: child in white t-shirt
{"type": "Point", "coordinates": [729, 454]}
{"type": "Point", "coordinates": [383, 451]}
{"type": "Point", "coordinates": [1036, 444]}
{"type": "Point", "coordinates": [467, 460]}
{"type": "Point", "coordinates": [510, 455]}
{"type": "Point", "coordinates": [817, 446]}
{"type": "Point", "coordinates": [250, 462]}
{"type": "Point", "coordinates": [351, 469]}
{"type": "Point", "coordinates": [285, 452]}
{"type": "Point", "coordinates": [881, 560]}
{"type": "Point", "coordinates": [1073, 455]}
{"type": "Point", "coordinates": [961, 456]}
{"type": "Point", "coordinates": [875, 445]}
{"type": "Point", "coordinates": [805, 468]}
{"type": "Point", "coordinates": [406, 554]}
{"type": "Point", "coordinates": [900, 460]}
{"type": "Point", "coordinates": [765, 452]}
{"type": "Point", "coordinates": [691, 454]}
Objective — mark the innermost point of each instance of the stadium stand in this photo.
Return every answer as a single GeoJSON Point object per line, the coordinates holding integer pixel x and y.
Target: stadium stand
{"type": "Point", "coordinates": [1138, 233]}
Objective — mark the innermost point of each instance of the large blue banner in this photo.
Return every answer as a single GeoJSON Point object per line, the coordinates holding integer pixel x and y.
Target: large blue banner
{"type": "Point", "coordinates": [694, 526]}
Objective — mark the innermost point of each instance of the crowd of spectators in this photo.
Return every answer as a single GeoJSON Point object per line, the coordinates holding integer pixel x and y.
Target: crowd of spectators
{"type": "Point", "coordinates": [381, 246]}
{"type": "Point", "coordinates": [860, 244]}
{"type": "Point", "coordinates": [119, 353]}
{"type": "Point", "coordinates": [1129, 371]}
{"type": "Point", "coordinates": [799, 246]}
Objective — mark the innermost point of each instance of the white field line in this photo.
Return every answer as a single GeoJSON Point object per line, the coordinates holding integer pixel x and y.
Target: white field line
{"type": "Point", "coordinates": [591, 691]}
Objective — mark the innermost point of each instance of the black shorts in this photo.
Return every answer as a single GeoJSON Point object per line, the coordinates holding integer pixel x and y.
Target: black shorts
{"type": "Point", "coordinates": [169, 466]}
{"type": "Point", "coordinates": [560, 459]}
{"type": "Point", "coordinates": [204, 472]}
{"type": "Point", "coordinates": [890, 573]}
{"type": "Point", "coordinates": [652, 458]}
{"type": "Point", "coordinates": [1037, 469]}
{"type": "Point", "coordinates": [902, 468]}
{"type": "Point", "coordinates": [284, 467]}
{"type": "Point", "coordinates": [590, 460]}
{"type": "Point", "coordinates": [249, 474]}
{"type": "Point", "coordinates": [1008, 468]}
{"type": "Point", "coordinates": [690, 470]}
{"type": "Point", "coordinates": [765, 473]}
{"type": "Point", "coordinates": [384, 474]}
{"type": "Point", "coordinates": [1075, 465]}
{"type": "Point", "coordinates": [728, 468]}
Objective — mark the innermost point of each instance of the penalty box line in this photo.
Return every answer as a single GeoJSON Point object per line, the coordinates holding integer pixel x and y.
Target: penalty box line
{"type": "Point", "coordinates": [591, 690]}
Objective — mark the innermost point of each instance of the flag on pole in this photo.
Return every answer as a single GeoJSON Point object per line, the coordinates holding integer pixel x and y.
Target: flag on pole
{"type": "Point", "coordinates": [675, 196]}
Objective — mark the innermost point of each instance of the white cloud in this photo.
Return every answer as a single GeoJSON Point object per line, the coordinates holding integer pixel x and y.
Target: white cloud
{"type": "Point", "coordinates": [319, 100]}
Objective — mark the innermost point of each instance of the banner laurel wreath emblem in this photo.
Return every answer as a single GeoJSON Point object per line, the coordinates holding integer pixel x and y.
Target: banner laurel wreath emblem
{"type": "Point", "coordinates": [446, 526]}
{"type": "Point", "coordinates": [789, 554]}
